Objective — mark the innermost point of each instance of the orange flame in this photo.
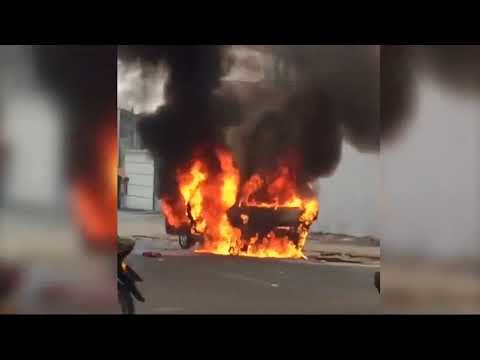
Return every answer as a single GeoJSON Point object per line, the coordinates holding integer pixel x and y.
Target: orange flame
{"type": "Point", "coordinates": [208, 195]}
{"type": "Point", "coordinates": [124, 266]}
{"type": "Point", "coordinates": [93, 195]}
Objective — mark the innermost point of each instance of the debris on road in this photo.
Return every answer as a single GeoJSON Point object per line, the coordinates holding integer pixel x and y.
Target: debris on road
{"type": "Point", "coordinates": [340, 257]}
{"type": "Point", "coordinates": [337, 260]}
{"type": "Point", "coordinates": [152, 254]}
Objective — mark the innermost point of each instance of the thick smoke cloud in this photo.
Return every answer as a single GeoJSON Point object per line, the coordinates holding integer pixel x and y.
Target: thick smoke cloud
{"type": "Point", "coordinates": [398, 90]}
{"type": "Point", "coordinates": [194, 114]}
{"type": "Point", "coordinates": [334, 96]}
{"type": "Point", "coordinates": [140, 88]}
{"type": "Point", "coordinates": [456, 66]}
{"type": "Point", "coordinates": [453, 66]}
{"type": "Point", "coordinates": [347, 77]}
{"type": "Point", "coordinates": [84, 79]}
{"type": "Point", "coordinates": [84, 75]}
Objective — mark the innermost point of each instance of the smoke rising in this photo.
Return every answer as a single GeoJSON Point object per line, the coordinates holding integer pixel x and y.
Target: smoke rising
{"type": "Point", "coordinates": [309, 100]}
{"type": "Point", "coordinates": [84, 78]}
{"type": "Point", "coordinates": [141, 88]}
{"type": "Point", "coordinates": [332, 95]}
{"type": "Point", "coordinates": [453, 66]}
{"type": "Point", "coordinates": [193, 114]}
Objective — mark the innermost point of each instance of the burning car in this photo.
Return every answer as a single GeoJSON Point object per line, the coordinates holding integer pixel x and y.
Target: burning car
{"type": "Point", "coordinates": [252, 222]}
{"type": "Point", "coordinates": [267, 215]}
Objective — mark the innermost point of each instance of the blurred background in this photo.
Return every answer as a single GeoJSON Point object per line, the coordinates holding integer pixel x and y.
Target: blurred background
{"type": "Point", "coordinates": [430, 171]}
{"type": "Point", "coordinates": [58, 164]}
{"type": "Point", "coordinates": [58, 161]}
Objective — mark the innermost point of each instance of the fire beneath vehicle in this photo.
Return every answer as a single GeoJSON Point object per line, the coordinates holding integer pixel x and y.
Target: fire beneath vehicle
{"type": "Point", "coordinates": [267, 216]}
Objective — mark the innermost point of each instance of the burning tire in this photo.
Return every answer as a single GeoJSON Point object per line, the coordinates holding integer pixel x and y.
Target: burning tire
{"type": "Point", "coordinates": [185, 241]}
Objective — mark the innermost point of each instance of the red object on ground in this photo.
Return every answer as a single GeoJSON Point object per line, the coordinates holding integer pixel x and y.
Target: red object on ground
{"type": "Point", "coordinates": [152, 254]}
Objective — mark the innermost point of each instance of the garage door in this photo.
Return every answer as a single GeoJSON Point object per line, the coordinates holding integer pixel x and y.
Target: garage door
{"type": "Point", "coordinates": [139, 168]}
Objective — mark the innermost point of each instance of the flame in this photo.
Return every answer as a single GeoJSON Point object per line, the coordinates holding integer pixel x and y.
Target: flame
{"type": "Point", "coordinates": [273, 247]}
{"type": "Point", "coordinates": [281, 191]}
{"type": "Point", "coordinates": [207, 194]}
{"type": "Point", "coordinates": [94, 194]}
{"type": "Point", "coordinates": [251, 186]}
{"type": "Point", "coordinates": [310, 212]}
{"type": "Point", "coordinates": [124, 267]}
{"type": "Point", "coordinates": [170, 214]}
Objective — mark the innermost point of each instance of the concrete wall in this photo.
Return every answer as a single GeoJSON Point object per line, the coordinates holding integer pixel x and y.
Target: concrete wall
{"type": "Point", "coordinates": [139, 168]}
{"type": "Point", "coordinates": [349, 199]}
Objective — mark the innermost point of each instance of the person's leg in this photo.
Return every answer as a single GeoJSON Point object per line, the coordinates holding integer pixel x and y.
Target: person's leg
{"type": "Point", "coordinates": [119, 191]}
{"type": "Point", "coordinates": [9, 281]}
{"type": "Point", "coordinates": [3, 169]}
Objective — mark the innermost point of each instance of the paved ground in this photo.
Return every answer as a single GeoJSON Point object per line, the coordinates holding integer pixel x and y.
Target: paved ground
{"type": "Point", "coordinates": [203, 284]}
{"type": "Point", "coordinates": [323, 247]}
{"type": "Point", "coordinates": [55, 279]}
{"type": "Point", "coordinates": [182, 282]}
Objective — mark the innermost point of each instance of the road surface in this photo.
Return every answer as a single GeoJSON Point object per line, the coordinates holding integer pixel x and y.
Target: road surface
{"type": "Point", "coordinates": [182, 282]}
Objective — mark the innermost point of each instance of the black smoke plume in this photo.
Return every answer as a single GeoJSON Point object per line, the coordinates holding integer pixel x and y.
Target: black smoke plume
{"type": "Point", "coordinates": [453, 66]}
{"type": "Point", "coordinates": [83, 77]}
{"type": "Point", "coordinates": [194, 114]}
{"type": "Point", "coordinates": [333, 95]}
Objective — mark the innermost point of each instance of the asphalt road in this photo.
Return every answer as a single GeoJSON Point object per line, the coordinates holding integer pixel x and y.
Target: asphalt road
{"type": "Point", "coordinates": [185, 283]}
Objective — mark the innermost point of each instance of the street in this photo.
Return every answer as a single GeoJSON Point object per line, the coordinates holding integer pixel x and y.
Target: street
{"type": "Point", "coordinates": [183, 282]}
{"type": "Point", "coordinates": [205, 284]}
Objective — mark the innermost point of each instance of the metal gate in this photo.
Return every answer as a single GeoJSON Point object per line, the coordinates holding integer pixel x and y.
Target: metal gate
{"type": "Point", "coordinates": [140, 169]}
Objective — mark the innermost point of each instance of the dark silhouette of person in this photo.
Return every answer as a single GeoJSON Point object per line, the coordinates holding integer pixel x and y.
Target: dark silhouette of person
{"type": "Point", "coordinates": [377, 281]}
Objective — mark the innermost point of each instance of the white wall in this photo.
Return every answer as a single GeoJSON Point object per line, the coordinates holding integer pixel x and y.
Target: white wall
{"type": "Point", "coordinates": [348, 199]}
{"type": "Point", "coordinates": [139, 167]}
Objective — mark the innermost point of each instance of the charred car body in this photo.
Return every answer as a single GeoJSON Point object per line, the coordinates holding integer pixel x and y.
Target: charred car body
{"type": "Point", "coordinates": [252, 221]}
